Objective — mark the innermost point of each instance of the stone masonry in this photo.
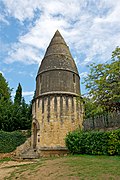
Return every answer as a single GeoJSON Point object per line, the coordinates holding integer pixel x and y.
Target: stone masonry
{"type": "Point", "coordinates": [56, 109]}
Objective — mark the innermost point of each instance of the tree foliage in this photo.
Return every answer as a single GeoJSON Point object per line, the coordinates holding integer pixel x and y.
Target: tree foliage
{"type": "Point", "coordinates": [103, 83]}
{"type": "Point", "coordinates": [13, 115]}
{"type": "Point", "coordinates": [91, 109]}
{"type": "Point", "coordinates": [5, 104]}
{"type": "Point", "coordinates": [4, 88]}
{"type": "Point", "coordinates": [18, 95]}
{"type": "Point", "coordinates": [22, 111]}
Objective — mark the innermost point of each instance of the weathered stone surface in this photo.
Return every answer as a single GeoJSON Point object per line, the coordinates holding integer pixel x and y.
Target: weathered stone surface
{"type": "Point", "coordinates": [55, 109]}
{"type": "Point", "coordinates": [23, 148]}
{"type": "Point", "coordinates": [58, 71]}
{"type": "Point", "coordinates": [58, 56]}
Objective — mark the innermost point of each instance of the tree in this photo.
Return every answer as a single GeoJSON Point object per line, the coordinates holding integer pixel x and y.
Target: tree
{"type": "Point", "coordinates": [22, 113]}
{"type": "Point", "coordinates": [103, 83]}
{"type": "Point", "coordinates": [6, 116]}
{"type": "Point", "coordinates": [5, 91]}
{"type": "Point", "coordinates": [13, 116]}
{"type": "Point", "coordinates": [26, 115]}
{"type": "Point", "coordinates": [18, 95]}
{"type": "Point", "coordinates": [91, 109]}
{"type": "Point", "coordinates": [116, 54]}
{"type": "Point", "coordinates": [5, 104]}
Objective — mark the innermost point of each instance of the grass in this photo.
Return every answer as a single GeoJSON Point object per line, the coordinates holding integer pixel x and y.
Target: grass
{"type": "Point", "coordinates": [94, 167]}
{"type": "Point", "coordinates": [80, 166]}
{"type": "Point", "coordinates": [5, 159]}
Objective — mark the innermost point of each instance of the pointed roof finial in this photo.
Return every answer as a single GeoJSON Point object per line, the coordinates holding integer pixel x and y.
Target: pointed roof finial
{"type": "Point", "coordinates": [58, 45]}
{"type": "Point", "coordinates": [57, 39]}
{"type": "Point", "coordinates": [58, 55]}
{"type": "Point", "coordinates": [57, 33]}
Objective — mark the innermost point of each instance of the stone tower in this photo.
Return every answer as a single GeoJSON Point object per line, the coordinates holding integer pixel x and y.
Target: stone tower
{"type": "Point", "coordinates": [56, 110]}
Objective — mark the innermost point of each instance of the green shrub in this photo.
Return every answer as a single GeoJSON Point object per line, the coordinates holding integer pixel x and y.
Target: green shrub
{"type": "Point", "coordinates": [94, 142]}
{"type": "Point", "coordinates": [10, 140]}
{"type": "Point", "coordinates": [113, 142]}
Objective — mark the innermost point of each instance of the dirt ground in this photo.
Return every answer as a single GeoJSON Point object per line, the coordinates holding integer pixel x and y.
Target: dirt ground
{"type": "Point", "coordinates": [47, 170]}
{"type": "Point", "coordinates": [60, 168]}
{"type": "Point", "coordinates": [6, 168]}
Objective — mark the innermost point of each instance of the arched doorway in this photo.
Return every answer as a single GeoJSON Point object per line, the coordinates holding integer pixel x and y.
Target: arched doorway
{"type": "Point", "coordinates": [34, 135]}
{"type": "Point", "coordinates": [35, 132]}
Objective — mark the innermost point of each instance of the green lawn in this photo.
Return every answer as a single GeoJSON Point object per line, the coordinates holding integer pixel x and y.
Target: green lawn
{"type": "Point", "coordinates": [94, 167]}
{"type": "Point", "coordinates": [83, 167]}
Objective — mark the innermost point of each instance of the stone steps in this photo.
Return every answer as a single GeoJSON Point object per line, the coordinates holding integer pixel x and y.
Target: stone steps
{"type": "Point", "coordinates": [30, 154]}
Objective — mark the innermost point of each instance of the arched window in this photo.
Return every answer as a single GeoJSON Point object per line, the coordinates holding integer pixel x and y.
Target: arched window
{"type": "Point", "coordinates": [74, 78]}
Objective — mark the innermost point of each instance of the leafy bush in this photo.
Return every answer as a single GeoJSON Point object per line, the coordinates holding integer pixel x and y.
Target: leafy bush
{"type": "Point", "coordinates": [10, 140]}
{"type": "Point", "coordinates": [113, 142]}
{"type": "Point", "coordinates": [94, 142]}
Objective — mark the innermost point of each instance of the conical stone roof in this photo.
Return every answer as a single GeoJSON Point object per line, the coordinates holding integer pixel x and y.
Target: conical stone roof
{"type": "Point", "coordinates": [57, 56]}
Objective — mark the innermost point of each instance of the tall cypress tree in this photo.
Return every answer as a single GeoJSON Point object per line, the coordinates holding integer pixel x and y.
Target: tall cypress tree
{"type": "Point", "coordinates": [26, 115]}
{"type": "Point", "coordinates": [18, 95]}
{"type": "Point", "coordinates": [17, 108]}
{"type": "Point", "coordinates": [22, 111]}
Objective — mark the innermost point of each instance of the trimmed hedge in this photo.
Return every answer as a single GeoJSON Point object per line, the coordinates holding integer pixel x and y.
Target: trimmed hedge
{"type": "Point", "coordinates": [94, 142]}
{"type": "Point", "coordinates": [10, 140]}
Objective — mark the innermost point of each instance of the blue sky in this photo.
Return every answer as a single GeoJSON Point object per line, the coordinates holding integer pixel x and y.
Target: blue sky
{"type": "Point", "coordinates": [91, 28]}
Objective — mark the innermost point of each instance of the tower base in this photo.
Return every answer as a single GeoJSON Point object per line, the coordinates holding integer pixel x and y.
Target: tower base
{"type": "Point", "coordinates": [53, 151]}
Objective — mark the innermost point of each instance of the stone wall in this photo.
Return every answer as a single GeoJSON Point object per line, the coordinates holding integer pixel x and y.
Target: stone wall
{"type": "Point", "coordinates": [56, 116]}
{"type": "Point", "coordinates": [23, 148]}
{"type": "Point", "coordinates": [57, 79]}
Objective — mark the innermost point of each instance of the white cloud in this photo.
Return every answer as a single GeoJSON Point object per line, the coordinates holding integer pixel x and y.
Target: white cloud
{"type": "Point", "coordinates": [40, 35]}
{"type": "Point", "coordinates": [23, 53]}
{"type": "Point", "coordinates": [28, 93]}
{"type": "Point", "coordinates": [24, 73]}
{"type": "Point", "coordinates": [25, 93]}
{"type": "Point", "coordinates": [90, 27]}
{"type": "Point", "coordinates": [2, 73]}
{"type": "Point", "coordinates": [83, 74]}
{"type": "Point", "coordinates": [21, 9]}
{"type": "Point", "coordinates": [3, 19]}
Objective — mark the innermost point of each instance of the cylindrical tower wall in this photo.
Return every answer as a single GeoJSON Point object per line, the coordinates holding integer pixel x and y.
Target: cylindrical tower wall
{"type": "Point", "coordinates": [57, 80]}
{"type": "Point", "coordinates": [57, 115]}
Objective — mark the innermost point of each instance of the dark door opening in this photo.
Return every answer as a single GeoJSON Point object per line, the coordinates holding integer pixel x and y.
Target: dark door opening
{"type": "Point", "coordinates": [34, 135]}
